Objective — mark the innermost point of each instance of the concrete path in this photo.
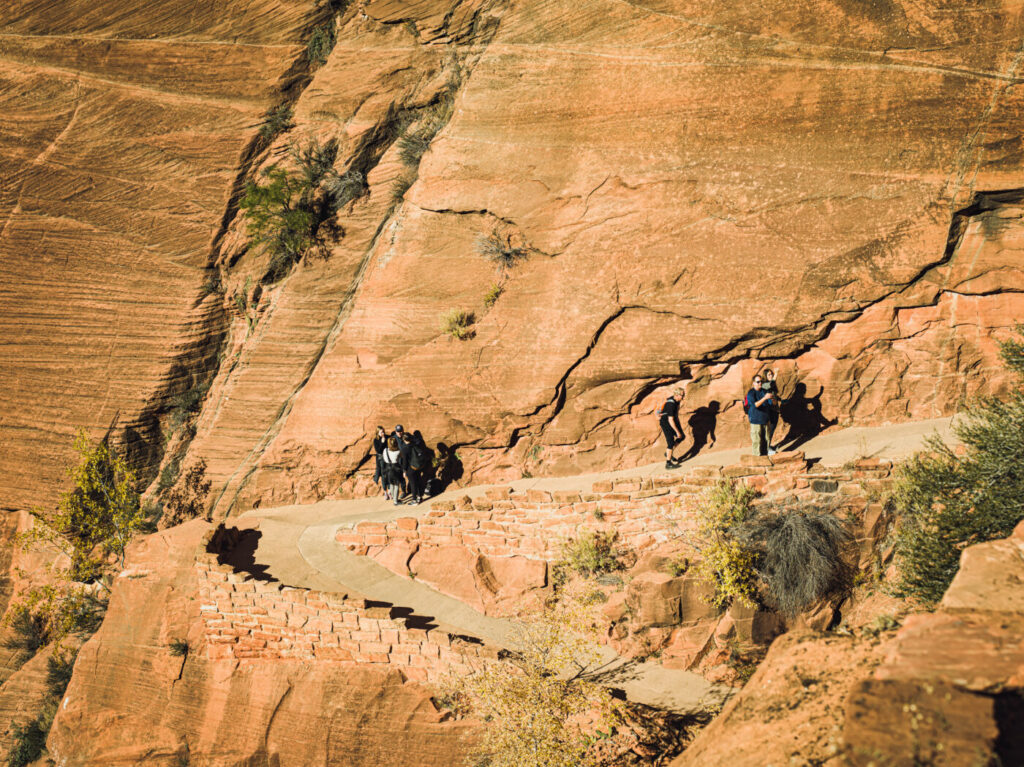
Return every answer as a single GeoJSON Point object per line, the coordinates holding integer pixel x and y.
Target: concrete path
{"type": "Point", "coordinates": [299, 549]}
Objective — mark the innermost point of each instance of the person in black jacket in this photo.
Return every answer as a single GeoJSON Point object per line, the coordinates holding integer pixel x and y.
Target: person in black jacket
{"type": "Point", "coordinates": [670, 426]}
{"type": "Point", "coordinates": [380, 443]}
{"type": "Point", "coordinates": [416, 461]}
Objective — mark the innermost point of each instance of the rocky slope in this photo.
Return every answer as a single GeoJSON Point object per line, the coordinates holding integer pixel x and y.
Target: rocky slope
{"type": "Point", "coordinates": [830, 188]}
{"type": "Point", "coordinates": [945, 689]}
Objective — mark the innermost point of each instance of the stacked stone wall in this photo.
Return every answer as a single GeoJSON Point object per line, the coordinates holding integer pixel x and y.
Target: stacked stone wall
{"type": "Point", "coordinates": [643, 512]}
{"type": "Point", "coordinates": [248, 618]}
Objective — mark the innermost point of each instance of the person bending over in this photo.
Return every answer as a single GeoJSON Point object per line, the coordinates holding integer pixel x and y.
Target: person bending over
{"type": "Point", "coordinates": [670, 426]}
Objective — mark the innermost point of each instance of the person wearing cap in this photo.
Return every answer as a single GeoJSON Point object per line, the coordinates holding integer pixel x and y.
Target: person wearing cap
{"type": "Point", "coordinates": [670, 426]}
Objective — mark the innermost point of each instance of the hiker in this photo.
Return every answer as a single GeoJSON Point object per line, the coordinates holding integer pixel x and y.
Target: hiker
{"type": "Point", "coordinates": [394, 468]}
{"type": "Point", "coordinates": [399, 434]}
{"type": "Point", "coordinates": [757, 405]}
{"type": "Point", "coordinates": [380, 443]}
{"type": "Point", "coordinates": [416, 461]}
{"type": "Point", "coordinates": [769, 385]}
{"type": "Point", "coordinates": [670, 426]}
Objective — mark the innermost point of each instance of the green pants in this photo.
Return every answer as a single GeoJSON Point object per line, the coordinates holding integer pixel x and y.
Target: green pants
{"type": "Point", "coordinates": [759, 438]}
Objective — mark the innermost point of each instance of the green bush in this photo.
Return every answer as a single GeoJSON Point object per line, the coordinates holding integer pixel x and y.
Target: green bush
{"type": "Point", "coordinates": [591, 554]}
{"type": "Point", "coordinates": [27, 630]}
{"type": "Point", "coordinates": [799, 554]}
{"type": "Point", "coordinates": [493, 294]}
{"type": "Point", "coordinates": [321, 43]}
{"type": "Point", "coordinates": [289, 212]}
{"type": "Point", "coordinates": [276, 121]}
{"type": "Point", "coordinates": [458, 324]}
{"type": "Point", "coordinates": [946, 501]}
{"type": "Point", "coordinates": [59, 667]}
{"type": "Point", "coordinates": [725, 561]}
{"type": "Point", "coordinates": [28, 739]}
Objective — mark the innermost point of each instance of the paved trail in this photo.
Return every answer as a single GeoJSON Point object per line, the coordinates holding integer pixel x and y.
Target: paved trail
{"type": "Point", "coordinates": [298, 548]}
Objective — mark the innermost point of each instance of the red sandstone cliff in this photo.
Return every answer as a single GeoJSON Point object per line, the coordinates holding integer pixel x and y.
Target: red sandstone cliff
{"type": "Point", "coordinates": [833, 189]}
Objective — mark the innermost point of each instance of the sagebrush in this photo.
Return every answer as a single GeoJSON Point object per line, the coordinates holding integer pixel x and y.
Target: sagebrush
{"type": "Point", "coordinates": [501, 249]}
{"type": "Point", "coordinates": [458, 323]}
{"type": "Point", "coordinates": [945, 500]}
{"type": "Point", "coordinates": [799, 554]}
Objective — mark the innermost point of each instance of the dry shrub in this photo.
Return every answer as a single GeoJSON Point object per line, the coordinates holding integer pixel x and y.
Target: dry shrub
{"type": "Point", "coordinates": [188, 500]}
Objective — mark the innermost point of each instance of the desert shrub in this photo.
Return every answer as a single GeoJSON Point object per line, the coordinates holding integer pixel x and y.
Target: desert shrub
{"type": "Point", "coordinates": [59, 667]}
{"type": "Point", "coordinates": [188, 500]}
{"type": "Point", "coordinates": [539, 706]}
{"type": "Point", "coordinates": [28, 739]}
{"type": "Point", "coordinates": [458, 324]}
{"type": "Point", "coordinates": [945, 501]}
{"type": "Point", "coordinates": [321, 43]}
{"type": "Point", "coordinates": [725, 561]}
{"type": "Point", "coordinates": [493, 294]}
{"type": "Point", "coordinates": [178, 648]}
{"type": "Point", "coordinates": [288, 213]}
{"type": "Point", "coordinates": [415, 142]}
{"type": "Point", "coordinates": [186, 405]}
{"type": "Point", "coordinates": [276, 121]}
{"type": "Point", "coordinates": [169, 474]}
{"type": "Point", "coordinates": [499, 248]}
{"type": "Point", "coordinates": [799, 554]}
{"type": "Point", "coordinates": [592, 553]}
{"type": "Point", "coordinates": [97, 517]}
{"type": "Point", "coordinates": [211, 284]}
{"type": "Point", "coordinates": [401, 185]}
{"type": "Point", "coordinates": [27, 630]}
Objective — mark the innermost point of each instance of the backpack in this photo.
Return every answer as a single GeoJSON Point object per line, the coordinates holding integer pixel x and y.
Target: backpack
{"type": "Point", "coordinates": [746, 404]}
{"type": "Point", "coordinates": [661, 407]}
{"type": "Point", "coordinates": [417, 458]}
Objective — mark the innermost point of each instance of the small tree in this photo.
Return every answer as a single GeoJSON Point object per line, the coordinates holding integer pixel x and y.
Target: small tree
{"type": "Point", "coordinates": [725, 561]}
{"type": "Point", "coordinates": [539, 707]}
{"type": "Point", "coordinates": [946, 501]}
{"type": "Point", "coordinates": [97, 517]}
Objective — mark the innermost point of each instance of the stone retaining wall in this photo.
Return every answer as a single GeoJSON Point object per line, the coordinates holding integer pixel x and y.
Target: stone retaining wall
{"type": "Point", "coordinates": [246, 618]}
{"type": "Point", "coordinates": [643, 511]}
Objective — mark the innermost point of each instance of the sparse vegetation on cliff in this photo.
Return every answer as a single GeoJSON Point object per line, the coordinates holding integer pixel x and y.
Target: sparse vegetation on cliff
{"type": "Point", "coordinates": [591, 553]}
{"type": "Point", "coordinates": [458, 324]}
{"type": "Point", "coordinates": [539, 707]}
{"type": "Point", "coordinates": [289, 213]}
{"type": "Point", "coordinates": [188, 500]}
{"type": "Point", "coordinates": [946, 500]}
{"type": "Point", "coordinates": [321, 43]}
{"type": "Point", "coordinates": [500, 249]}
{"type": "Point", "coordinates": [277, 120]}
{"type": "Point", "coordinates": [493, 294]}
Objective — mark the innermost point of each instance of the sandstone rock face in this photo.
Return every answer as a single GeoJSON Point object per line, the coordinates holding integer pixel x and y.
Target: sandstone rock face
{"type": "Point", "coordinates": [132, 702]}
{"type": "Point", "coordinates": [698, 189]}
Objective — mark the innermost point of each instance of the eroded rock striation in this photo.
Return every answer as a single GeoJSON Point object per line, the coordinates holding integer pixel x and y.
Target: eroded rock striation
{"type": "Point", "coordinates": [680, 189]}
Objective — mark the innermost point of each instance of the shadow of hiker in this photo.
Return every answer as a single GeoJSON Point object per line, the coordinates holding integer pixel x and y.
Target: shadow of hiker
{"type": "Point", "coordinates": [702, 428]}
{"type": "Point", "coordinates": [237, 548]}
{"type": "Point", "coordinates": [803, 416]}
{"type": "Point", "coordinates": [448, 467]}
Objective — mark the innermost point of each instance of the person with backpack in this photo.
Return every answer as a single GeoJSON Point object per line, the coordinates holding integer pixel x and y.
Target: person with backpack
{"type": "Point", "coordinates": [758, 405]}
{"type": "Point", "coordinates": [394, 469]}
{"type": "Point", "coordinates": [416, 460]}
{"type": "Point", "coordinates": [380, 443]}
{"type": "Point", "coordinates": [668, 418]}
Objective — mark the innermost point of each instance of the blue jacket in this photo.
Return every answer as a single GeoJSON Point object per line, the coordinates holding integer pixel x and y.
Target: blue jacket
{"type": "Point", "coordinates": [758, 415]}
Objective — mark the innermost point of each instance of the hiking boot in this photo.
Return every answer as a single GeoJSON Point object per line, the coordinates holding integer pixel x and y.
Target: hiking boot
{"type": "Point", "coordinates": [671, 465]}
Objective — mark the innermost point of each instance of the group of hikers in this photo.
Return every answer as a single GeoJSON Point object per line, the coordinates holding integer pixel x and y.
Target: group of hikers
{"type": "Point", "coordinates": [763, 407]}
{"type": "Point", "coordinates": [407, 470]}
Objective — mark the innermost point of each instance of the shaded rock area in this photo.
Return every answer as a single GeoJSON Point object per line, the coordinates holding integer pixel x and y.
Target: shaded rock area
{"type": "Point", "coordinates": [832, 189]}
{"type": "Point", "coordinates": [132, 702]}
{"type": "Point", "coordinates": [945, 689]}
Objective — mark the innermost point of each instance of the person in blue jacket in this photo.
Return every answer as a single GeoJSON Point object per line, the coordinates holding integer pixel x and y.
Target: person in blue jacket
{"type": "Point", "coordinates": [759, 403]}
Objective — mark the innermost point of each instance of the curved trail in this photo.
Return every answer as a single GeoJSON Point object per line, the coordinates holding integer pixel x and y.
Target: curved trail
{"type": "Point", "coordinates": [297, 546]}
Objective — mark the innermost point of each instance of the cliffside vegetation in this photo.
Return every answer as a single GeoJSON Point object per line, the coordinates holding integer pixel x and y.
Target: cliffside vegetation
{"type": "Point", "coordinates": [948, 499]}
